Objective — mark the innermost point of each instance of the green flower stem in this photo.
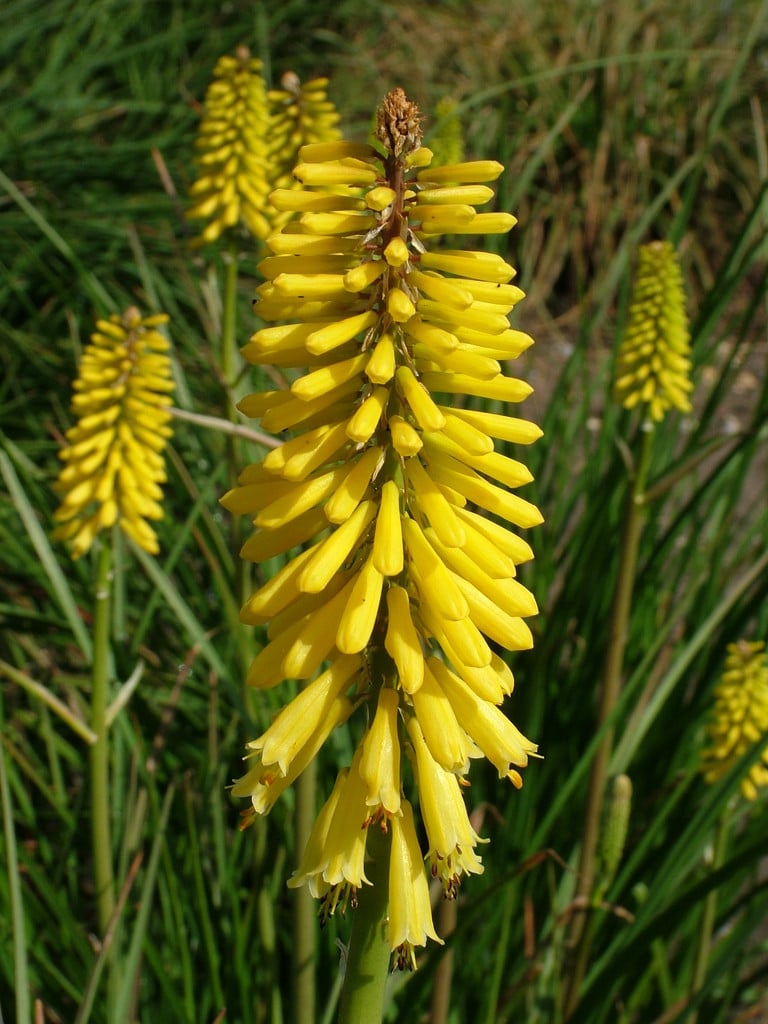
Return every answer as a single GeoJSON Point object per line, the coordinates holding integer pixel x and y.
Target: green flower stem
{"type": "Point", "coordinates": [305, 906]}
{"type": "Point", "coordinates": [362, 997]}
{"type": "Point", "coordinates": [99, 751]}
{"type": "Point", "coordinates": [580, 938]}
{"type": "Point", "coordinates": [229, 370]}
{"type": "Point", "coordinates": [228, 354]}
{"type": "Point", "coordinates": [709, 911]}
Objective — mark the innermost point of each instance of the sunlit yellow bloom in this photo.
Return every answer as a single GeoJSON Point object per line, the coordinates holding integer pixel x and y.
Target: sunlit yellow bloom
{"type": "Point", "coordinates": [380, 762]}
{"type": "Point", "coordinates": [452, 839]}
{"type": "Point", "coordinates": [114, 463]}
{"type": "Point", "coordinates": [740, 718]}
{"type": "Point", "coordinates": [333, 863]}
{"type": "Point", "coordinates": [232, 183]}
{"type": "Point", "coordinates": [654, 366]}
{"type": "Point", "coordinates": [385, 482]}
{"type": "Point", "coordinates": [410, 912]}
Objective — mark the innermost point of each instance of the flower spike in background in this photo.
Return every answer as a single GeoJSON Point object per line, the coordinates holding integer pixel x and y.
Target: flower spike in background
{"type": "Point", "coordinates": [232, 183]}
{"type": "Point", "coordinates": [114, 463]}
{"type": "Point", "coordinates": [740, 717]}
{"type": "Point", "coordinates": [300, 114]}
{"type": "Point", "coordinates": [402, 584]}
{"type": "Point", "coordinates": [654, 366]}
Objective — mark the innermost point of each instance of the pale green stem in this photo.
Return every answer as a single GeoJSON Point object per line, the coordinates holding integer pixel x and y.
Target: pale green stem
{"type": "Point", "coordinates": [709, 911]}
{"type": "Point", "coordinates": [580, 934]}
{"type": "Point", "coordinates": [228, 354]}
{"type": "Point", "coordinates": [304, 907]}
{"type": "Point", "coordinates": [365, 981]}
{"type": "Point", "coordinates": [99, 751]}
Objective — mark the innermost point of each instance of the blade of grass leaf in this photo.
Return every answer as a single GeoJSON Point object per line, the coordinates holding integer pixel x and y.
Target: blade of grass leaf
{"type": "Point", "coordinates": [195, 632]}
{"type": "Point", "coordinates": [48, 560]}
{"type": "Point", "coordinates": [90, 284]}
{"type": "Point", "coordinates": [638, 725]}
{"type": "Point", "coordinates": [86, 1006]}
{"type": "Point", "coordinates": [130, 965]}
{"type": "Point", "coordinates": [75, 723]}
{"type": "Point", "coordinates": [18, 928]}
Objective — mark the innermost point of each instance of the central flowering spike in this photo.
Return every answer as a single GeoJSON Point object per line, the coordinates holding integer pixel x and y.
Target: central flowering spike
{"type": "Point", "coordinates": [401, 585]}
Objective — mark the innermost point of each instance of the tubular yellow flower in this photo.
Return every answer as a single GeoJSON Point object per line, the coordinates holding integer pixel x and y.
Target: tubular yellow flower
{"type": "Point", "coordinates": [232, 183]}
{"type": "Point", "coordinates": [113, 459]}
{"type": "Point", "coordinates": [654, 365]}
{"type": "Point", "coordinates": [332, 864]}
{"type": "Point", "coordinates": [399, 574]}
{"type": "Point", "coordinates": [740, 717]}
{"type": "Point", "coordinates": [410, 912]}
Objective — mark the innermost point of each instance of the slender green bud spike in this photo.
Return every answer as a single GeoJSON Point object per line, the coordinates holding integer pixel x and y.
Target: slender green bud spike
{"type": "Point", "coordinates": [654, 366]}
{"type": "Point", "coordinates": [613, 832]}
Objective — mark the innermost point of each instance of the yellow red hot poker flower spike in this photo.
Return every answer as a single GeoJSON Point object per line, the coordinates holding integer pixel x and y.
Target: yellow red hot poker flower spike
{"type": "Point", "coordinates": [740, 717]}
{"type": "Point", "coordinates": [654, 366]}
{"type": "Point", "coordinates": [232, 186]}
{"type": "Point", "coordinates": [113, 458]}
{"type": "Point", "coordinates": [403, 585]}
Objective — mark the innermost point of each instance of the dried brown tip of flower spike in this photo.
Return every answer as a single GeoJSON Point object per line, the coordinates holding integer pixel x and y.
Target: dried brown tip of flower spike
{"type": "Point", "coordinates": [243, 54]}
{"type": "Point", "coordinates": [398, 124]}
{"type": "Point", "coordinates": [291, 82]}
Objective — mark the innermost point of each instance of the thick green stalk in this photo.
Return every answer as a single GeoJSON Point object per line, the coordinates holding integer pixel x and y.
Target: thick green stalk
{"type": "Point", "coordinates": [362, 998]}
{"type": "Point", "coordinates": [99, 752]}
{"type": "Point", "coordinates": [580, 934]}
{"type": "Point", "coordinates": [709, 911]}
{"type": "Point", "coordinates": [304, 907]}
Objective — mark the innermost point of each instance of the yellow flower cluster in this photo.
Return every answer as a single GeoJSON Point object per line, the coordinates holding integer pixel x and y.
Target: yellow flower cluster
{"type": "Point", "coordinates": [300, 114]}
{"type": "Point", "coordinates": [248, 144]}
{"type": "Point", "coordinates": [232, 185]}
{"type": "Point", "coordinates": [113, 460]}
{"type": "Point", "coordinates": [740, 718]}
{"type": "Point", "coordinates": [401, 585]}
{"type": "Point", "coordinates": [654, 363]}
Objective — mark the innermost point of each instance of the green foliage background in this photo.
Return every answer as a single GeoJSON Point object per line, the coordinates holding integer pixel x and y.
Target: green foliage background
{"type": "Point", "coordinates": [618, 123]}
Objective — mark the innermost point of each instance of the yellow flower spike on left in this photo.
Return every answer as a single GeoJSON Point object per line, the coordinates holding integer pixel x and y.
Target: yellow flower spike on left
{"type": "Point", "coordinates": [388, 482]}
{"type": "Point", "coordinates": [113, 458]}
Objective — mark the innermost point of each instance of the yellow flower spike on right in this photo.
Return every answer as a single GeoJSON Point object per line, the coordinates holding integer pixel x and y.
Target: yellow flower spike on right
{"type": "Point", "coordinates": [403, 583]}
{"type": "Point", "coordinates": [740, 717]}
{"type": "Point", "coordinates": [654, 366]}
